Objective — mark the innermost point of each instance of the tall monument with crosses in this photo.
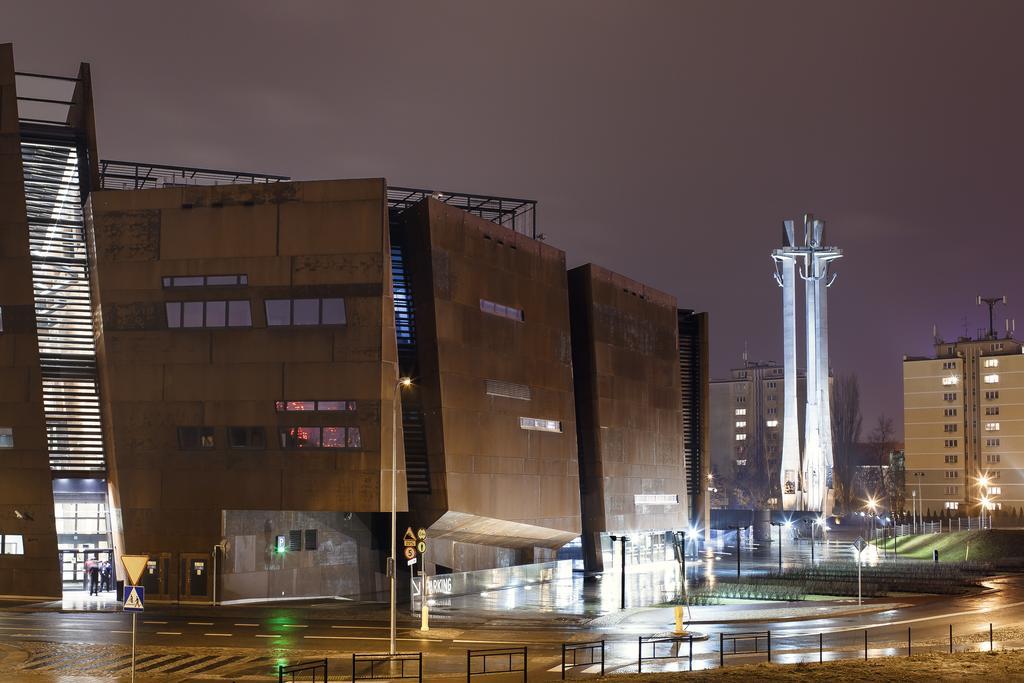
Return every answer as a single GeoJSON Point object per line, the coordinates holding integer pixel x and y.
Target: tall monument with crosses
{"type": "Point", "coordinates": [806, 478]}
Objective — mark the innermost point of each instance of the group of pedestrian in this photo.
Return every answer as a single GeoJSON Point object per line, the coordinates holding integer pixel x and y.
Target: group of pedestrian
{"type": "Point", "coordinates": [100, 576]}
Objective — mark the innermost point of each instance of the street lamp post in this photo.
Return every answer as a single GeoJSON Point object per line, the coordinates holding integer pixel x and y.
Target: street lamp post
{"type": "Point", "coordinates": [707, 511]}
{"type": "Point", "coordinates": [622, 585]}
{"type": "Point", "coordinates": [920, 506]}
{"type": "Point", "coordinates": [786, 524]}
{"type": "Point", "coordinates": [392, 562]}
{"type": "Point", "coordinates": [738, 530]}
{"type": "Point", "coordinates": [983, 482]}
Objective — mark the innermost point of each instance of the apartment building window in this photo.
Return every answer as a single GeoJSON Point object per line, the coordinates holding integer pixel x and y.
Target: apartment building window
{"type": "Point", "coordinates": [304, 312]}
{"type": "Point", "coordinates": [951, 459]}
{"type": "Point", "coordinates": [773, 411]}
{"type": "Point", "coordinates": [993, 442]}
{"type": "Point", "coordinates": [771, 423]}
{"type": "Point", "coordinates": [308, 406]}
{"type": "Point", "coordinates": [991, 395]}
{"type": "Point", "coordinates": [952, 474]}
{"type": "Point", "coordinates": [740, 424]}
{"type": "Point", "coordinates": [310, 539]}
{"type": "Point", "coordinates": [195, 438]}
{"type": "Point", "coordinates": [540, 425]}
{"type": "Point", "coordinates": [771, 385]}
{"type": "Point", "coordinates": [741, 399]}
{"type": "Point", "coordinates": [949, 396]}
{"type": "Point", "coordinates": [950, 380]}
{"type": "Point", "coordinates": [950, 412]}
{"type": "Point", "coordinates": [991, 379]}
{"type": "Point", "coordinates": [949, 427]}
{"type": "Point", "coordinates": [741, 411]}
{"type": "Point", "coordinates": [992, 458]}
{"type": "Point", "coordinates": [741, 437]}
{"type": "Point", "coordinates": [997, 347]}
{"type": "Point", "coordinates": [320, 437]}
{"type": "Point", "coordinates": [198, 314]}
{"type": "Point", "coordinates": [996, 474]}
{"type": "Point", "coordinates": [952, 490]}
{"type": "Point", "coordinates": [205, 280]}
{"type": "Point", "coordinates": [951, 443]}
{"type": "Point", "coordinates": [6, 437]}
{"type": "Point", "coordinates": [991, 363]}
{"type": "Point", "coordinates": [991, 410]}
{"type": "Point", "coordinates": [247, 437]}
{"type": "Point", "coordinates": [12, 544]}
{"type": "Point", "coordinates": [991, 426]}
{"type": "Point", "coordinates": [949, 365]}
{"type": "Point", "coordinates": [773, 397]}
{"type": "Point", "coordinates": [502, 311]}
{"type": "Point", "coordinates": [995, 490]}
{"type": "Point", "coordinates": [952, 505]}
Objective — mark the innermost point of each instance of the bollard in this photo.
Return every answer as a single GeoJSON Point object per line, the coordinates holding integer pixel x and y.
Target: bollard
{"type": "Point", "coordinates": [821, 651]}
{"type": "Point", "coordinates": [679, 620]}
{"type": "Point", "coordinates": [691, 655]}
{"type": "Point", "coordinates": [865, 645]}
{"type": "Point", "coordinates": [721, 650]}
{"type": "Point", "coordinates": [640, 655]}
{"type": "Point", "coordinates": [951, 639]}
{"type": "Point", "coordinates": [769, 646]}
{"type": "Point", "coordinates": [990, 636]}
{"type": "Point", "coordinates": [424, 616]}
{"type": "Point", "coordinates": [908, 641]}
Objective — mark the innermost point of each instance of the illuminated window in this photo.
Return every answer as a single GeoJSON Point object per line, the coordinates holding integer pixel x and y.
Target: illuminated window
{"type": "Point", "coordinates": [991, 426]}
{"type": "Point", "coordinates": [247, 437]}
{"type": "Point", "coordinates": [305, 312]}
{"type": "Point", "coordinates": [741, 437]}
{"type": "Point", "coordinates": [991, 379]}
{"type": "Point", "coordinates": [771, 423]}
{"type": "Point", "coordinates": [952, 505]}
{"type": "Point", "coordinates": [205, 280]}
{"type": "Point", "coordinates": [320, 437]}
{"type": "Point", "coordinates": [540, 425]}
{"type": "Point", "coordinates": [308, 406]}
{"type": "Point", "coordinates": [195, 438]}
{"type": "Point", "coordinates": [198, 314]}
{"type": "Point", "coordinates": [6, 437]}
{"type": "Point", "coordinates": [655, 499]}
{"type": "Point", "coordinates": [991, 363]}
{"type": "Point", "coordinates": [12, 544]}
{"type": "Point", "coordinates": [995, 490]}
{"type": "Point", "coordinates": [741, 411]}
{"type": "Point", "coordinates": [501, 310]}
{"type": "Point", "coordinates": [300, 437]}
{"type": "Point", "coordinates": [950, 380]}
{"type": "Point", "coordinates": [740, 424]}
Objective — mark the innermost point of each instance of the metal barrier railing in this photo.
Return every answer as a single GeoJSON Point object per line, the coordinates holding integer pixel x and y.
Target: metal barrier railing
{"type": "Point", "coordinates": [509, 656]}
{"type": "Point", "coordinates": [314, 668]}
{"type": "Point", "coordinates": [655, 641]}
{"type": "Point", "coordinates": [377, 667]}
{"type": "Point", "coordinates": [756, 637]}
{"type": "Point", "coordinates": [575, 649]}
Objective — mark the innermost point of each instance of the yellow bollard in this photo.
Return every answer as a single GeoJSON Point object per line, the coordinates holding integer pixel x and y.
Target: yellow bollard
{"type": "Point", "coordinates": [425, 617]}
{"type": "Point", "coordinates": [679, 620]}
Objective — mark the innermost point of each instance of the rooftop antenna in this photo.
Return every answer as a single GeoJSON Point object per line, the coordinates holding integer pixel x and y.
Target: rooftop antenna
{"type": "Point", "coordinates": [746, 356]}
{"type": "Point", "coordinates": [991, 301]}
{"type": "Point", "coordinates": [935, 334]}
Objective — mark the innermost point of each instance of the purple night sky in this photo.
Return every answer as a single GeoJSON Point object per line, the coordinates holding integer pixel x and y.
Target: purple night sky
{"type": "Point", "coordinates": [663, 140]}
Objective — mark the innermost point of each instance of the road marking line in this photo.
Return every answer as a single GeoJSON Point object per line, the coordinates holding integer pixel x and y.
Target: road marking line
{"type": "Point", "coordinates": [367, 628]}
{"type": "Point", "coordinates": [200, 623]}
{"type": "Point", "coordinates": [21, 628]}
{"type": "Point", "coordinates": [120, 631]}
{"type": "Point", "coordinates": [980, 610]}
{"type": "Point", "coordinates": [246, 624]}
{"type": "Point", "coordinates": [264, 635]}
{"type": "Point", "coordinates": [295, 625]}
{"type": "Point", "coordinates": [154, 622]}
{"type": "Point", "coordinates": [220, 635]}
{"type": "Point", "coordinates": [412, 640]}
{"type": "Point", "coordinates": [168, 633]}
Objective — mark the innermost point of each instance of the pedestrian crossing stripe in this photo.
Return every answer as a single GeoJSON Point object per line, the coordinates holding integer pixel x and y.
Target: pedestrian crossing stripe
{"type": "Point", "coordinates": [133, 596]}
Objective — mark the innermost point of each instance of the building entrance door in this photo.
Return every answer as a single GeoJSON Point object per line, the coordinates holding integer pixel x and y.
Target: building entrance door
{"type": "Point", "coordinates": [74, 565]}
{"type": "Point", "coordinates": [195, 575]}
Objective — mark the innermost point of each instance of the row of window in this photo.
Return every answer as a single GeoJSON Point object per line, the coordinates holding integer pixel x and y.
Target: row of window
{"type": "Point", "coordinates": [991, 379]}
{"type": "Point", "coordinates": [502, 311]}
{"type": "Point", "coordinates": [322, 406]}
{"type": "Point", "coordinates": [952, 490]}
{"type": "Point", "coordinates": [200, 438]}
{"type": "Point", "coordinates": [238, 313]}
{"type": "Point", "coordinates": [991, 363]}
{"type": "Point", "coordinates": [950, 427]}
{"type": "Point", "coordinates": [951, 443]}
{"type": "Point", "coordinates": [992, 426]}
{"type": "Point", "coordinates": [992, 458]}
{"type": "Point", "coordinates": [206, 280]}
{"type": "Point", "coordinates": [540, 425]}
{"type": "Point", "coordinates": [951, 459]}
{"type": "Point", "coordinates": [993, 442]}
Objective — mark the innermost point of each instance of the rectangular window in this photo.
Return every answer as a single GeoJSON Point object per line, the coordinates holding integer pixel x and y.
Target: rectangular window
{"type": "Point", "coordinates": [198, 314]}
{"type": "Point", "coordinates": [293, 438]}
{"type": "Point", "coordinates": [949, 365]}
{"type": "Point", "coordinates": [247, 437]}
{"type": "Point", "coordinates": [992, 458]}
{"type": "Point", "coordinates": [497, 387]}
{"type": "Point", "coordinates": [741, 437]}
{"type": "Point", "coordinates": [741, 411]}
{"type": "Point", "coordinates": [540, 425]}
{"type": "Point", "coordinates": [995, 490]}
{"type": "Point", "coordinates": [311, 543]}
{"type": "Point", "coordinates": [992, 379]}
{"type": "Point", "coordinates": [952, 505]}
{"type": "Point", "coordinates": [949, 397]}
{"type": "Point", "coordinates": [300, 437]}
{"type": "Point", "coordinates": [771, 423]}
{"type": "Point", "coordinates": [502, 311]}
{"type": "Point", "coordinates": [951, 443]}
{"type": "Point", "coordinates": [952, 474]}
{"type": "Point", "coordinates": [740, 424]}
{"type": "Point", "coordinates": [207, 280]}
{"type": "Point", "coordinates": [991, 410]}
{"type": "Point", "coordinates": [952, 490]}
{"type": "Point", "coordinates": [6, 437]}
{"type": "Point", "coordinates": [991, 363]}
{"type": "Point", "coordinates": [991, 426]}
{"type": "Point", "coordinates": [294, 540]}
{"type": "Point", "coordinates": [771, 385]}
{"type": "Point", "coordinates": [950, 380]}
{"type": "Point", "coordinates": [991, 395]}
{"type": "Point", "coordinates": [309, 406]}
{"type": "Point", "coordinates": [305, 312]}
{"type": "Point", "coordinates": [195, 438]}
{"type": "Point", "coordinates": [993, 442]}
{"type": "Point", "coordinates": [950, 412]}
{"type": "Point", "coordinates": [655, 499]}
{"type": "Point", "coordinates": [951, 459]}
{"type": "Point", "coordinates": [949, 427]}
{"type": "Point", "coordinates": [12, 544]}
{"type": "Point", "coordinates": [334, 437]}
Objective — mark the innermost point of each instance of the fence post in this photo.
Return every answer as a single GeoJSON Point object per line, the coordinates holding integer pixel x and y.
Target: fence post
{"type": "Point", "coordinates": [469, 667]}
{"type": "Point", "coordinates": [865, 645]}
{"type": "Point", "coordinates": [769, 646]}
{"type": "Point", "coordinates": [563, 661]}
{"type": "Point", "coordinates": [990, 636]}
{"type": "Point", "coordinates": [721, 650]}
{"type": "Point", "coordinates": [908, 641]}
{"type": "Point", "coordinates": [951, 639]}
{"type": "Point", "coordinates": [640, 654]}
{"type": "Point", "coordinates": [525, 667]}
{"type": "Point", "coordinates": [602, 657]}
{"type": "Point", "coordinates": [821, 652]}
{"type": "Point", "coordinates": [421, 668]}
{"type": "Point", "coordinates": [353, 666]}
{"type": "Point", "coordinates": [691, 653]}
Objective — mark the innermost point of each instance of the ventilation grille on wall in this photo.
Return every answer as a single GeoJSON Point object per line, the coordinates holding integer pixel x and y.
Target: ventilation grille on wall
{"type": "Point", "coordinates": [496, 387]}
{"type": "Point", "coordinates": [60, 279]}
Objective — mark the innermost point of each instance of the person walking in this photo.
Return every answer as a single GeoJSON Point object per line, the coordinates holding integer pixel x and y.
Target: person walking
{"type": "Point", "coordinates": [94, 579]}
{"type": "Point", "coordinates": [105, 571]}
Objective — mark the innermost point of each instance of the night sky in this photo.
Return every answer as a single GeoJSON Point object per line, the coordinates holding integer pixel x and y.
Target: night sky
{"type": "Point", "coordinates": [663, 140]}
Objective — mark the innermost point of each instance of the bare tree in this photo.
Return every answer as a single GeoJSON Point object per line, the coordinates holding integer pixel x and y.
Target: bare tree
{"type": "Point", "coordinates": [755, 477]}
{"type": "Point", "coordinates": [881, 442]}
{"type": "Point", "coordinates": [846, 426]}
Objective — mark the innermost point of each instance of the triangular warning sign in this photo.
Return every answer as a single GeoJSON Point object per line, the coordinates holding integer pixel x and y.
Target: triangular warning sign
{"type": "Point", "coordinates": [134, 564]}
{"type": "Point", "coordinates": [132, 602]}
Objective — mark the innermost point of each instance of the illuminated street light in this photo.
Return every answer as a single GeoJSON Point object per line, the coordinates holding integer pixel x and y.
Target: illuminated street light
{"type": "Point", "coordinates": [403, 382]}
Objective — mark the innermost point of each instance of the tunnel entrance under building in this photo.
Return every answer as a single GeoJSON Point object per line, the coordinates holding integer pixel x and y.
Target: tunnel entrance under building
{"type": "Point", "coordinates": [82, 518]}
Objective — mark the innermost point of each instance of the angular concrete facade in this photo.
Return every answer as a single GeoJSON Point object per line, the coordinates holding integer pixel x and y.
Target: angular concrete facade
{"type": "Point", "coordinates": [312, 242]}
{"type": "Point", "coordinates": [495, 385]}
{"type": "Point", "coordinates": [629, 407]}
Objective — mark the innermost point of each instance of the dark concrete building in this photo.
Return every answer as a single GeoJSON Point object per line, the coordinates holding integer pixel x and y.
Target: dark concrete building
{"type": "Point", "coordinates": [625, 339]}
{"type": "Point", "coordinates": [203, 367]}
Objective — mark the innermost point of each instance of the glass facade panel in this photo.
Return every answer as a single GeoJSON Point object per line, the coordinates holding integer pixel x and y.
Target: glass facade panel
{"type": "Point", "coordinates": [300, 437]}
{"type": "Point", "coordinates": [6, 437]}
{"type": "Point", "coordinates": [334, 437]}
{"type": "Point", "coordinates": [306, 311]}
{"type": "Point", "coordinates": [239, 314]}
{"type": "Point", "coordinates": [334, 312]}
{"type": "Point", "coordinates": [174, 314]}
{"type": "Point", "coordinates": [193, 314]}
{"type": "Point", "coordinates": [216, 313]}
{"type": "Point", "coordinates": [279, 312]}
